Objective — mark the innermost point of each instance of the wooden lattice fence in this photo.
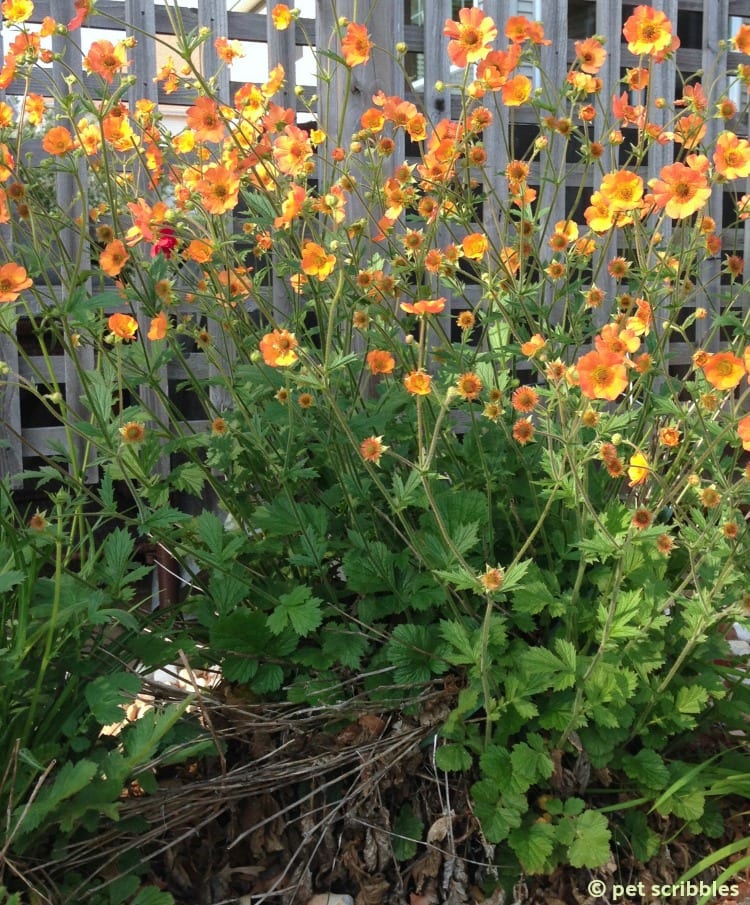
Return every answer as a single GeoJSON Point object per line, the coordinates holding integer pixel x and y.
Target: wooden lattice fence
{"type": "Point", "coordinates": [706, 23]}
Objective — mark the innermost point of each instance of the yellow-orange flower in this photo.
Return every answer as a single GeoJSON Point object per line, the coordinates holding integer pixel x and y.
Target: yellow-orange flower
{"type": "Point", "coordinates": [124, 326]}
{"type": "Point", "coordinates": [292, 150]}
{"type": "Point", "coordinates": [471, 37]}
{"type": "Point", "coordinates": [57, 141]}
{"type": "Point", "coordinates": [205, 121]}
{"type": "Point", "coordinates": [516, 91]}
{"type": "Point", "coordinates": [591, 55]}
{"type": "Point", "coordinates": [724, 370]}
{"type": "Point", "coordinates": [638, 469]}
{"type": "Point", "coordinates": [219, 189]}
{"type": "Point", "coordinates": [356, 45]}
{"type": "Point", "coordinates": [602, 375]}
{"type": "Point", "coordinates": [113, 258]}
{"type": "Point", "coordinates": [13, 280]}
{"type": "Point", "coordinates": [380, 362]}
{"type": "Point", "coordinates": [533, 345]}
{"type": "Point", "coordinates": [732, 156]}
{"type": "Point", "coordinates": [469, 385]}
{"type": "Point", "coordinates": [475, 246]}
{"type": "Point", "coordinates": [523, 431]}
{"type": "Point", "coordinates": [17, 10]}
{"type": "Point", "coordinates": [278, 348]}
{"type": "Point", "coordinates": [424, 306]}
{"type": "Point", "coordinates": [133, 432]}
{"type": "Point", "coordinates": [281, 16]}
{"type": "Point", "coordinates": [372, 449]}
{"type": "Point", "coordinates": [105, 59]}
{"type": "Point", "coordinates": [743, 430]}
{"type": "Point", "coordinates": [622, 190]}
{"type": "Point", "coordinates": [524, 399]}
{"type": "Point", "coordinates": [315, 261]}
{"type": "Point", "coordinates": [158, 327]}
{"type": "Point", "coordinates": [418, 383]}
{"type": "Point", "coordinates": [669, 436]}
{"type": "Point", "coordinates": [648, 31]}
{"type": "Point", "coordinates": [680, 190]}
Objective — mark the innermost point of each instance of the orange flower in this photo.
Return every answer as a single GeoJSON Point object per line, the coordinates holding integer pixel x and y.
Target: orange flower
{"type": "Point", "coordinates": [743, 430]}
{"type": "Point", "coordinates": [204, 119]}
{"type": "Point", "coordinates": [281, 16]}
{"type": "Point", "coordinates": [199, 250]}
{"type": "Point", "coordinates": [724, 370]}
{"type": "Point", "coordinates": [638, 469]}
{"type": "Point", "coordinates": [602, 375]}
{"type": "Point", "coordinates": [356, 45]}
{"type": "Point", "coordinates": [516, 91]}
{"type": "Point", "coordinates": [278, 348]}
{"type": "Point", "coordinates": [533, 345]}
{"type": "Point", "coordinates": [681, 190]}
{"type": "Point", "coordinates": [292, 151]}
{"type": "Point", "coordinates": [424, 306]}
{"type": "Point", "coordinates": [519, 29]}
{"type": "Point", "coordinates": [228, 51]}
{"type": "Point", "coordinates": [471, 36]}
{"type": "Point", "coordinates": [380, 362]}
{"type": "Point", "coordinates": [133, 432]}
{"type": "Point", "coordinates": [591, 55]}
{"type": "Point", "coordinates": [158, 328]}
{"type": "Point", "coordinates": [648, 31]}
{"type": "Point", "coordinates": [642, 519]}
{"type": "Point", "coordinates": [315, 261]}
{"type": "Point", "coordinates": [124, 326]}
{"type": "Point", "coordinates": [622, 190]}
{"type": "Point", "coordinates": [13, 280]}
{"type": "Point", "coordinates": [616, 339]}
{"type": "Point", "coordinates": [105, 59]}
{"type": "Point", "coordinates": [669, 437]}
{"type": "Point", "coordinates": [741, 40]}
{"type": "Point", "coordinates": [523, 431]}
{"type": "Point", "coordinates": [113, 258]}
{"type": "Point", "coordinates": [372, 449]}
{"type": "Point", "coordinates": [475, 246]}
{"type": "Point", "coordinates": [524, 399]}
{"type": "Point", "coordinates": [732, 156]}
{"type": "Point", "coordinates": [57, 141]}
{"type": "Point", "coordinates": [418, 383]}
{"type": "Point", "coordinates": [469, 385]}
{"type": "Point", "coordinates": [219, 189]}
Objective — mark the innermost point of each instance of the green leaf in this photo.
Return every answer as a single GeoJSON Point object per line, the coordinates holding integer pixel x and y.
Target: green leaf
{"type": "Point", "coordinates": [118, 550]}
{"type": "Point", "coordinates": [647, 768]}
{"type": "Point", "coordinates": [407, 833]}
{"type": "Point", "coordinates": [211, 531]}
{"type": "Point", "coordinates": [463, 651]}
{"type": "Point", "coordinates": [691, 699]}
{"type": "Point", "coordinates": [151, 895]}
{"type": "Point", "coordinates": [413, 650]}
{"type": "Point", "coordinates": [71, 779]}
{"type": "Point", "coordinates": [299, 609]}
{"type": "Point", "coordinates": [453, 758]}
{"type": "Point", "coordinates": [10, 579]}
{"type": "Point", "coordinates": [107, 694]}
{"type": "Point", "coordinates": [188, 478]}
{"type": "Point", "coordinates": [533, 846]}
{"type": "Point", "coordinates": [498, 814]}
{"type": "Point", "coordinates": [590, 847]}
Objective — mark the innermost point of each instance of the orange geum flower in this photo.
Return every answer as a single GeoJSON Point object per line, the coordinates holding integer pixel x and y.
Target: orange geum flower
{"type": "Point", "coordinates": [669, 436]}
{"type": "Point", "coordinates": [475, 246]}
{"type": "Point", "coordinates": [732, 156]}
{"type": "Point", "coordinates": [638, 469]}
{"type": "Point", "coordinates": [123, 326]}
{"type": "Point", "coordinates": [219, 189]}
{"type": "Point", "coordinates": [105, 59]}
{"type": "Point", "coordinates": [13, 280]}
{"type": "Point", "coordinates": [524, 399]}
{"type": "Point", "coordinates": [615, 338]}
{"type": "Point", "coordinates": [278, 348]}
{"type": "Point", "coordinates": [372, 449]}
{"type": "Point", "coordinates": [356, 45]}
{"type": "Point", "coordinates": [205, 121]}
{"type": "Point", "coordinates": [471, 37]}
{"type": "Point", "coordinates": [741, 40]}
{"type": "Point", "coordinates": [133, 432]}
{"type": "Point", "coordinates": [424, 306]}
{"type": "Point", "coordinates": [602, 375]}
{"type": "Point", "coordinates": [292, 150]}
{"type": "Point", "coordinates": [227, 50]}
{"type": "Point", "coordinates": [523, 431]}
{"type": "Point", "coordinates": [17, 10]}
{"type": "Point", "coordinates": [113, 257]}
{"type": "Point", "coordinates": [158, 327]}
{"type": "Point", "coordinates": [418, 383]}
{"type": "Point", "coordinates": [622, 190]}
{"type": "Point", "coordinates": [199, 250]}
{"type": "Point", "coordinates": [518, 30]}
{"type": "Point", "coordinates": [281, 16]}
{"type": "Point", "coordinates": [743, 431]}
{"type": "Point", "coordinates": [516, 91]}
{"type": "Point", "coordinates": [380, 362]}
{"type": "Point", "coordinates": [724, 370]}
{"type": "Point", "coordinates": [533, 345]}
{"type": "Point", "coordinates": [469, 385]}
{"type": "Point", "coordinates": [315, 261]}
{"type": "Point", "coordinates": [58, 140]}
{"type": "Point", "coordinates": [648, 31]}
{"type": "Point", "coordinates": [680, 190]}
{"type": "Point", "coordinates": [591, 55]}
